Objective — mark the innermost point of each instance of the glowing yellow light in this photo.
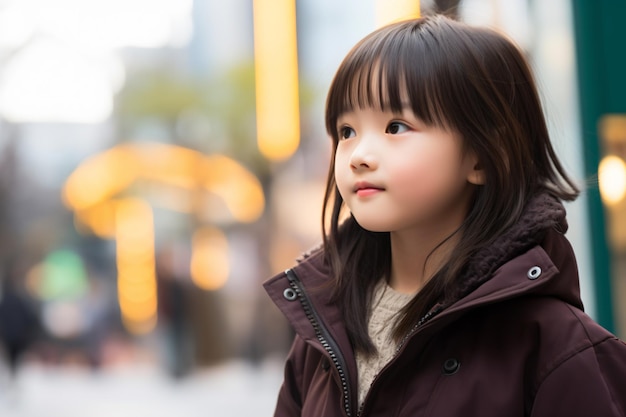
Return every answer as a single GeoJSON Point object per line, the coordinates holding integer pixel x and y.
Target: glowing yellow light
{"type": "Point", "coordinates": [101, 177]}
{"type": "Point", "coordinates": [240, 190]}
{"type": "Point", "coordinates": [388, 11]}
{"type": "Point", "coordinates": [91, 191]}
{"type": "Point", "coordinates": [136, 281]}
{"type": "Point", "coordinates": [129, 256]}
{"type": "Point", "coordinates": [99, 219]}
{"type": "Point", "coordinates": [209, 259]}
{"type": "Point", "coordinates": [613, 128]}
{"type": "Point", "coordinates": [276, 77]}
{"type": "Point", "coordinates": [139, 326]}
{"type": "Point", "coordinates": [168, 164]}
{"type": "Point", "coordinates": [137, 304]}
{"type": "Point", "coordinates": [612, 179]}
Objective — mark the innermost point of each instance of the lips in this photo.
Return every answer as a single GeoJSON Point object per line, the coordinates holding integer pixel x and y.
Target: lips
{"type": "Point", "coordinates": [365, 188]}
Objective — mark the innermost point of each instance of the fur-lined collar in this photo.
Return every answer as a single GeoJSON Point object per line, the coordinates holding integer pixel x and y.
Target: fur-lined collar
{"type": "Point", "coordinates": [542, 213]}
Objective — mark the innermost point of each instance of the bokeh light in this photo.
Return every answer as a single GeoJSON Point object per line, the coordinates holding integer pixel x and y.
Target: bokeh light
{"type": "Point", "coordinates": [612, 179]}
{"type": "Point", "coordinates": [276, 71]}
{"type": "Point", "coordinates": [210, 264]}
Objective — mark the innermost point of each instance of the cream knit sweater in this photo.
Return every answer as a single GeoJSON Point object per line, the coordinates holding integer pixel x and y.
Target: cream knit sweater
{"type": "Point", "coordinates": [386, 303]}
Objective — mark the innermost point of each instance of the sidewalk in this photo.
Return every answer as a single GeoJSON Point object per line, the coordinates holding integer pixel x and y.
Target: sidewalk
{"type": "Point", "coordinates": [234, 389]}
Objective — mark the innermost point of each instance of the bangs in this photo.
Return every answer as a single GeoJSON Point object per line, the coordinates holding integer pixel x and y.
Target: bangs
{"type": "Point", "coordinates": [388, 72]}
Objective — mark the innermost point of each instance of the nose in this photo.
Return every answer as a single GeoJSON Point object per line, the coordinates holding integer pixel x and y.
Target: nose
{"type": "Point", "coordinates": [363, 156]}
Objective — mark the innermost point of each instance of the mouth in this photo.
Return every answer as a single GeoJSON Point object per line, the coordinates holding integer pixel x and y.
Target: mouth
{"type": "Point", "coordinates": [365, 189]}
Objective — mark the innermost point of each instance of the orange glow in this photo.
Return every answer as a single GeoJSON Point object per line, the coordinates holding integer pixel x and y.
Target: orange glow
{"type": "Point", "coordinates": [612, 179]}
{"type": "Point", "coordinates": [141, 326]}
{"type": "Point", "coordinates": [276, 76]}
{"type": "Point", "coordinates": [102, 177]}
{"type": "Point", "coordinates": [99, 219]}
{"type": "Point", "coordinates": [240, 189]}
{"type": "Point", "coordinates": [388, 11]}
{"type": "Point", "coordinates": [99, 178]}
{"type": "Point", "coordinates": [139, 303]}
{"type": "Point", "coordinates": [137, 311]}
{"type": "Point", "coordinates": [92, 189]}
{"type": "Point", "coordinates": [136, 281]}
{"type": "Point", "coordinates": [170, 164]}
{"type": "Point", "coordinates": [209, 260]}
{"type": "Point", "coordinates": [613, 128]}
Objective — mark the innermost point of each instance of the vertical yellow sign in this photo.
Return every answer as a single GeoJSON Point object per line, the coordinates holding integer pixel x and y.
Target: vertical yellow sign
{"type": "Point", "coordinates": [276, 72]}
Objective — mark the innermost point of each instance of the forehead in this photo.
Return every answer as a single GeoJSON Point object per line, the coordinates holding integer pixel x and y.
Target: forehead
{"type": "Point", "coordinates": [373, 84]}
{"type": "Point", "coordinates": [395, 68]}
{"type": "Point", "coordinates": [389, 85]}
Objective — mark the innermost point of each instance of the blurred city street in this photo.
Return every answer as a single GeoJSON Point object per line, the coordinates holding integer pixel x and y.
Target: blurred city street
{"type": "Point", "coordinates": [161, 159]}
{"type": "Point", "coordinates": [228, 390]}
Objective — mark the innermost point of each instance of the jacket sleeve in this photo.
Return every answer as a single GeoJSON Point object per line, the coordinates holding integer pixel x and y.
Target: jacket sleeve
{"type": "Point", "coordinates": [589, 383]}
{"type": "Point", "coordinates": [289, 403]}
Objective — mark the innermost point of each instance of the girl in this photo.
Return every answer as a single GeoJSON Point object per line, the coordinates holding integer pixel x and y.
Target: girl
{"type": "Point", "coordinates": [449, 289]}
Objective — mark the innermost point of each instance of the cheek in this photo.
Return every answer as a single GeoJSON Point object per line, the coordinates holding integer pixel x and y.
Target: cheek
{"type": "Point", "coordinates": [341, 175]}
{"type": "Point", "coordinates": [427, 178]}
{"type": "Point", "coordinates": [415, 170]}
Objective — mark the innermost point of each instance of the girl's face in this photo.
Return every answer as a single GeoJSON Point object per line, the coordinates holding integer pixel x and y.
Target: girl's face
{"type": "Point", "coordinates": [396, 174]}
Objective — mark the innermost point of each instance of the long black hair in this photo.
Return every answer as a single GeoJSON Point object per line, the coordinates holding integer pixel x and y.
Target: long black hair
{"type": "Point", "coordinates": [468, 80]}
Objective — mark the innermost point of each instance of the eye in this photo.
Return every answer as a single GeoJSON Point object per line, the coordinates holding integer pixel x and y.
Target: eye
{"type": "Point", "coordinates": [396, 127]}
{"type": "Point", "coordinates": [346, 132]}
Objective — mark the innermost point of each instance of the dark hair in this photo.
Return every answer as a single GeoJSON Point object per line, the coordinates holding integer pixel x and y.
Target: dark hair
{"type": "Point", "coordinates": [468, 80]}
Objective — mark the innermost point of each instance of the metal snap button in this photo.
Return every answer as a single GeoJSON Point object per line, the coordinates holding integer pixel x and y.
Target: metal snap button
{"type": "Point", "coordinates": [451, 366]}
{"type": "Point", "coordinates": [290, 294]}
{"type": "Point", "coordinates": [534, 272]}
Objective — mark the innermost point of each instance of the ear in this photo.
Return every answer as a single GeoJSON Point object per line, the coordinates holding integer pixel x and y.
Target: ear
{"type": "Point", "coordinates": [476, 173]}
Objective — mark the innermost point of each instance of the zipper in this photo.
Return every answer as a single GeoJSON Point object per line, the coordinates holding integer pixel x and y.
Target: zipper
{"type": "Point", "coordinates": [432, 313]}
{"type": "Point", "coordinates": [427, 317]}
{"type": "Point", "coordinates": [324, 337]}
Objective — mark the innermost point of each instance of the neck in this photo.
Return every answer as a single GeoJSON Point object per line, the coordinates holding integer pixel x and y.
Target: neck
{"type": "Point", "coordinates": [418, 252]}
{"type": "Point", "coordinates": [415, 259]}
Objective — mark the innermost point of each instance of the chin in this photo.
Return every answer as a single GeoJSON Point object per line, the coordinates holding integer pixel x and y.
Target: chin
{"type": "Point", "coordinates": [372, 225]}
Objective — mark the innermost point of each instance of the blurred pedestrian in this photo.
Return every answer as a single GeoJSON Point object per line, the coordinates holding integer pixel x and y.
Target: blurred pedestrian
{"type": "Point", "coordinates": [173, 313]}
{"type": "Point", "coordinates": [19, 322]}
{"type": "Point", "coordinates": [450, 288]}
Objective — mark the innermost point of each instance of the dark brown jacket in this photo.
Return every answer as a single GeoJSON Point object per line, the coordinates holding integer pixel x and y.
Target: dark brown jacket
{"type": "Point", "coordinates": [515, 343]}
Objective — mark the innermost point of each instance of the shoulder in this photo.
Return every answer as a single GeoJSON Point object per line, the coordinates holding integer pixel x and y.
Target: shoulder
{"type": "Point", "coordinates": [582, 369]}
{"type": "Point", "coordinates": [563, 352]}
{"type": "Point", "coordinates": [544, 329]}
{"type": "Point", "coordinates": [559, 327]}
{"type": "Point", "coordinates": [566, 331]}
{"type": "Point", "coordinates": [577, 337]}
{"type": "Point", "coordinates": [566, 345]}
